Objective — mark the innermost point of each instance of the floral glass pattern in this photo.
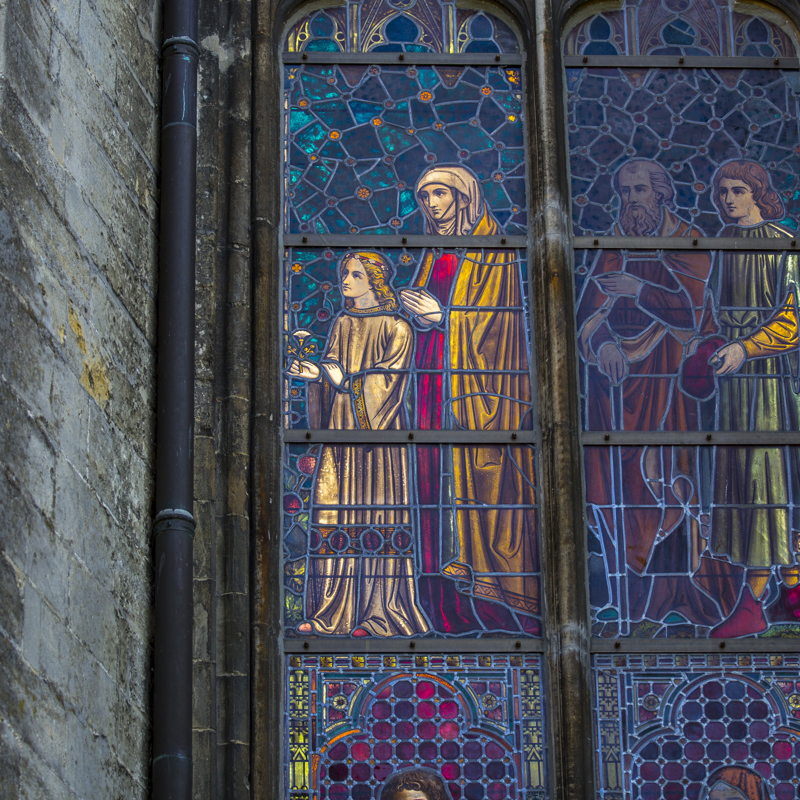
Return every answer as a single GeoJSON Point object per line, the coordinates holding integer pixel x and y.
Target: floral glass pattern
{"type": "Point", "coordinates": [472, 725]}
{"type": "Point", "coordinates": [677, 726]}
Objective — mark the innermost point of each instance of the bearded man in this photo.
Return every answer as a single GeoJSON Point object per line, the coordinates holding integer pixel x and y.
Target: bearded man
{"type": "Point", "coordinates": [637, 312]}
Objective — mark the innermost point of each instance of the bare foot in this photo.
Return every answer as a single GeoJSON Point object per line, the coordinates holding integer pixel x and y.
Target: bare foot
{"type": "Point", "coordinates": [305, 627]}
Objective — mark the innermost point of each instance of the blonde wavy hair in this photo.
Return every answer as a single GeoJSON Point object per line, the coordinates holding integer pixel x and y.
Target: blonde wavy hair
{"type": "Point", "coordinates": [379, 274]}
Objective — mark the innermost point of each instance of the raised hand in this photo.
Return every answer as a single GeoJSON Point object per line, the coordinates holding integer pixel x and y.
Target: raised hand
{"type": "Point", "coordinates": [334, 373]}
{"type": "Point", "coordinates": [618, 283]}
{"type": "Point", "coordinates": [307, 370]}
{"type": "Point", "coordinates": [612, 362]}
{"type": "Point", "coordinates": [422, 305]}
{"type": "Point", "coordinates": [729, 358]}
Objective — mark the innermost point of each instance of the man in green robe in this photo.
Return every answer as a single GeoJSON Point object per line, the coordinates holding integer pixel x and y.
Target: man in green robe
{"type": "Point", "coordinates": [753, 304]}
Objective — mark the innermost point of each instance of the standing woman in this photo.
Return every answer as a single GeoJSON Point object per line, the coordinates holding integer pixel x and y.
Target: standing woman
{"type": "Point", "coordinates": [473, 374]}
{"type": "Point", "coordinates": [360, 499]}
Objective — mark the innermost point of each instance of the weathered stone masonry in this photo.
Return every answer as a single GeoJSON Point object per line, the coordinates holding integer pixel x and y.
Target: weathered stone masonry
{"type": "Point", "coordinates": [78, 238]}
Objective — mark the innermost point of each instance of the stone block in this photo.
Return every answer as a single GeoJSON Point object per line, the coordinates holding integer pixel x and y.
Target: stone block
{"type": "Point", "coordinates": [11, 594]}
{"type": "Point", "coordinates": [9, 763]}
{"type": "Point", "coordinates": [93, 616]}
{"type": "Point", "coordinates": [27, 451]}
{"type": "Point", "coordinates": [97, 48]}
{"type": "Point", "coordinates": [203, 695]}
{"type": "Point", "coordinates": [205, 600]}
{"type": "Point", "coordinates": [28, 29]}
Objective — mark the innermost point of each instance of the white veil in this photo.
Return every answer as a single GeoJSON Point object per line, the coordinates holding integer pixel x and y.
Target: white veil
{"type": "Point", "coordinates": [468, 197]}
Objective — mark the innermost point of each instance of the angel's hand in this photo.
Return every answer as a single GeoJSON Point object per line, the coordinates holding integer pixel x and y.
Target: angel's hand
{"type": "Point", "coordinates": [728, 359]}
{"type": "Point", "coordinates": [422, 305]}
{"type": "Point", "coordinates": [334, 373]}
{"type": "Point", "coordinates": [306, 370]}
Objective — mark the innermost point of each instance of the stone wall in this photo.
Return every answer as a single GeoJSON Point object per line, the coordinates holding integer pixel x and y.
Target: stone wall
{"type": "Point", "coordinates": [222, 405]}
{"type": "Point", "coordinates": [79, 92]}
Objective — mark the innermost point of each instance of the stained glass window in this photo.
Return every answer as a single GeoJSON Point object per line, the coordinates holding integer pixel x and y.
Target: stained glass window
{"type": "Point", "coordinates": [409, 468]}
{"type": "Point", "coordinates": [684, 141]}
{"type": "Point", "coordinates": [681, 726]}
{"type": "Point", "coordinates": [686, 196]}
{"type": "Point", "coordinates": [469, 726]}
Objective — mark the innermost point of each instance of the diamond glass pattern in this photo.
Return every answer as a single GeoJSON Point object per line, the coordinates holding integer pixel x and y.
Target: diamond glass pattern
{"type": "Point", "coordinates": [474, 722]}
{"type": "Point", "coordinates": [674, 726]}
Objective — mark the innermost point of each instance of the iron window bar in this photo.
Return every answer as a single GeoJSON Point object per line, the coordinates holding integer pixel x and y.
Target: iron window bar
{"type": "Point", "coordinates": [433, 59]}
{"type": "Point", "coordinates": [683, 243]}
{"type": "Point", "coordinates": [626, 646]}
{"type": "Point", "coordinates": [340, 436]}
{"type": "Point", "coordinates": [427, 645]}
{"type": "Point", "coordinates": [682, 62]}
{"type": "Point", "coordinates": [396, 240]}
{"type": "Point", "coordinates": [691, 438]}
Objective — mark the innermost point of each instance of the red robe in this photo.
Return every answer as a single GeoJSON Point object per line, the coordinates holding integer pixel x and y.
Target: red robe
{"type": "Point", "coordinates": [643, 493]}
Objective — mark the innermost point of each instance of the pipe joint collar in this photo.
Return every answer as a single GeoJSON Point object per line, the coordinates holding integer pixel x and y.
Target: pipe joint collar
{"type": "Point", "coordinates": [180, 45]}
{"type": "Point", "coordinates": [173, 519]}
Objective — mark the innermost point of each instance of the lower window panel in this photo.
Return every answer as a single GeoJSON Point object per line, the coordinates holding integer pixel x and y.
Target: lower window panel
{"type": "Point", "coordinates": [683, 727]}
{"type": "Point", "coordinates": [370, 726]}
{"type": "Point", "coordinates": [698, 542]}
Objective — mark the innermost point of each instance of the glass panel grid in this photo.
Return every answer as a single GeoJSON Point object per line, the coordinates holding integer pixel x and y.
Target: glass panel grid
{"type": "Point", "coordinates": [687, 541]}
{"type": "Point", "coordinates": [471, 725]}
{"type": "Point", "coordinates": [393, 541]}
{"type": "Point", "coordinates": [677, 726]}
{"type": "Point", "coordinates": [359, 139]}
{"type": "Point", "coordinates": [412, 376]}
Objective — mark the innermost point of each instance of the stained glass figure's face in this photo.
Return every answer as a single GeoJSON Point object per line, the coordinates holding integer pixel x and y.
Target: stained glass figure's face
{"type": "Point", "coordinates": [355, 284]}
{"type": "Point", "coordinates": [439, 200]}
{"type": "Point", "coordinates": [641, 209]}
{"type": "Point", "coordinates": [724, 791]}
{"type": "Point", "coordinates": [410, 794]}
{"type": "Point", "coordinates": [635, 188]}
{"type": "Point", "coordinates": [738, 201]}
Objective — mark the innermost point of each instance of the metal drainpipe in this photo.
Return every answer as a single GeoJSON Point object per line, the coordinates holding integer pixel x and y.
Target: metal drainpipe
{"type": "Point", "coordinates": [173, 529]}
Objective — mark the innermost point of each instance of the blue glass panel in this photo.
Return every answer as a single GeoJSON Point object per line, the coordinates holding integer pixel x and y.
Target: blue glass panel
{"type": "Point", "coordinates": [388, 126]}
{"type": "Point", "coordinates": [687, 123]}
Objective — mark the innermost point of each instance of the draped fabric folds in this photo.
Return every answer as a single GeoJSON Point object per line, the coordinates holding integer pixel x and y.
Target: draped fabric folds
{"type": "Point", "coordinates": [482, 346]}
{"type": "Point", "coordinates": [364, 490]}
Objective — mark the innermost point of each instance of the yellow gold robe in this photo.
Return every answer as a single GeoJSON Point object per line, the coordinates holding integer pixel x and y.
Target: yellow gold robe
{"type": "Point", "coordinates": [364, 490]}
{"type": "Point", "coordinates": [490, 391]}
